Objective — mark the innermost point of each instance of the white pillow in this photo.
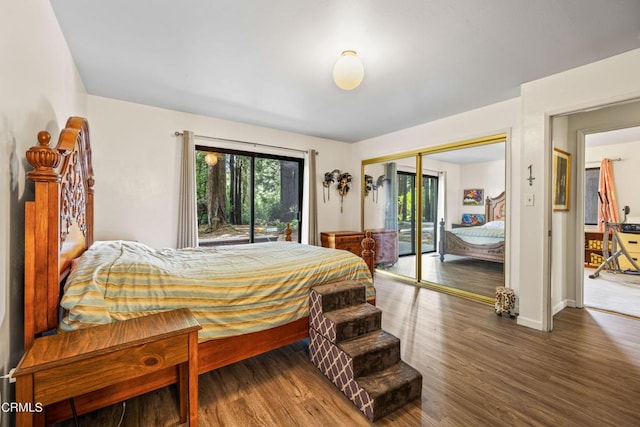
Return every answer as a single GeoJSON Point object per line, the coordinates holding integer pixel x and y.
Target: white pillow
{"type": "Point", "coordinates": [495, 225]}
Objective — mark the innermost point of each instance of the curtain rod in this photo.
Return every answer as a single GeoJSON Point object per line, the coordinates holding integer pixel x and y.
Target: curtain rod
{"type": "Point", "coordinates": [617, 159]}
{"type": "Point", "coordinates": [255, 144]}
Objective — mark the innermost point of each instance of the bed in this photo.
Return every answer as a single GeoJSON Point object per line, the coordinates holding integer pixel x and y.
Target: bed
{"type": "Point", "coordinates": [65, 288]}
{"type": "Point", "coordinates": [484, 242]}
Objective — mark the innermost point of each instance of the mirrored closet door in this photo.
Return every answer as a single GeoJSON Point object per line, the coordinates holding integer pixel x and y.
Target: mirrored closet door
{"type": "Point", "coordinates": [443, 225]}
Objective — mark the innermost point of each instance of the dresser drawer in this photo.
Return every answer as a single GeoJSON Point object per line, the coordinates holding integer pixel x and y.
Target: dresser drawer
{"type": "Point", "coordinates": [347, 240]}
{"type": "Point", "coordinates": [625, 264]}
{"type": "Point", "coordinates": [631, 242]}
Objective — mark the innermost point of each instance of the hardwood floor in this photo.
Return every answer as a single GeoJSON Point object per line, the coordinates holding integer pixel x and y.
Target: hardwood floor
{"type": "Point", "coordinates": [612, 291]}
{"type": "Point", "coordinates": [463, 273]}
{"type": "Point", "coordinates": [478, 369]}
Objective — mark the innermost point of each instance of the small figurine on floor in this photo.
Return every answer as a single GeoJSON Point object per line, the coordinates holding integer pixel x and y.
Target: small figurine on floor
{"type": "Point", "coordinates": [505, 301]}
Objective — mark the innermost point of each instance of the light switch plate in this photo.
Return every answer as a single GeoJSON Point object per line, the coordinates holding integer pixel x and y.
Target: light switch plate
{"type": "Point", "coordinates": [529, 199]}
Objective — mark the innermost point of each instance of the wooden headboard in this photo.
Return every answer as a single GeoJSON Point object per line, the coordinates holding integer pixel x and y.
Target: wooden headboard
{"type": "Point", "coordinates": [495, 208]}
{"type": "Point", "coordinates": [58, 222]}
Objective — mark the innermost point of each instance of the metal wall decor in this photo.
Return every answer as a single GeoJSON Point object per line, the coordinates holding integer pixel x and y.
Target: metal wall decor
{"type": "Point", "coordinates": [369, 186]}
{"type": "Point", "coordinates": [342, 180]}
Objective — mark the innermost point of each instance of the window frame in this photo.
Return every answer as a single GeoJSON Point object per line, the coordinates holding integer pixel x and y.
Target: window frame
{"type": "Point", "coordinates": [253, 155]}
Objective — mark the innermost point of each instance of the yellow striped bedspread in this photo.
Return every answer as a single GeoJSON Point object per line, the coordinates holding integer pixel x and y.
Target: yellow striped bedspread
{"type": "Point", "coordinates": [231, 290]}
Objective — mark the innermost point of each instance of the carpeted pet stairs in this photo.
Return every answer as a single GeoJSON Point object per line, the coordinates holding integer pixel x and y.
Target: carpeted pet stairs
{"type": "Point", "coordinates": [347, 345]}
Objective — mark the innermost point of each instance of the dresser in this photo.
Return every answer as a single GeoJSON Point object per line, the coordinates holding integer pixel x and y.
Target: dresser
{"type": "Point", "coordinates": [386, 249]}
{"type": "Point", "coordinates": [386, 246]}
{"type": "Point", "coordinates": [348, 240]}
{"type": "Point", "coordinates": [631, 242]}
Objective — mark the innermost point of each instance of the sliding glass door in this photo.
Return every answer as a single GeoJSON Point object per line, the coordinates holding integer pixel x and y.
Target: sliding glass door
{"type": "Point", "coordinates": [246, 197]}
{"type": "Point", "coordinates": [429, 213]}
{"type": "Point", "coordinates": [406, 214]}
{"type": "Point", "coordinates": [407, 223]}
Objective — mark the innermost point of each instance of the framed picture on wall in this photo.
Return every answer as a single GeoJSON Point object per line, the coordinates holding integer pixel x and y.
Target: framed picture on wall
{"type": "Point", "coordinates": [473, 197]}
{"type": "Point", "coordinates": [561, 179]}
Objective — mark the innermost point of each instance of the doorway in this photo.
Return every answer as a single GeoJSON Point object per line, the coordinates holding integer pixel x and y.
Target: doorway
{"type": "Point", "coordinates": [575, 133]}
{"type": "Point", "coordinates": [614, 289]}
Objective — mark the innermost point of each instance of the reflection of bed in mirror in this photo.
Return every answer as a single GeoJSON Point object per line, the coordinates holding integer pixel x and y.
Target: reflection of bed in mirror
{"type": "Point", "coordinates": [482, 242]}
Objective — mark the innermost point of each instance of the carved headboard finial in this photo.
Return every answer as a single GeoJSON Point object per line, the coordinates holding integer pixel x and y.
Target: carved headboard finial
{"type": "Point", "coordinates": [43, 158]}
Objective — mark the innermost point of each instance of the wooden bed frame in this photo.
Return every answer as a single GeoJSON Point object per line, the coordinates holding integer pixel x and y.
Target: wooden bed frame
{"type": "Point", "coordinates": [451, 244]}
{"type": "Point", "coordinates": [59, 228]}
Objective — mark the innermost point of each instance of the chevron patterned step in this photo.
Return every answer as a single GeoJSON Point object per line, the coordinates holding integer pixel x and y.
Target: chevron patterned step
{"type": "Point", "coordinates": [376, 394]}
{"type": "Point", "coordinates": [372, 352]}
{"type": "Point", "coordinates": [347, 345]}
{"type": "Point", "coordinates": [334, 296]}
{"type": "Point", "coordinates": [391, 388]}
{"type": "Point", "coordinates": [351, 322]}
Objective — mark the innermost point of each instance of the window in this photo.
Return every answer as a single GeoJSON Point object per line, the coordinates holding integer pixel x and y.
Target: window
{"type": "Point", "coordinates": [406, 213]}
{"type": "Point", "coordinates": [246, 197]}
{"type": "Point", "coordinates": [592, 181]}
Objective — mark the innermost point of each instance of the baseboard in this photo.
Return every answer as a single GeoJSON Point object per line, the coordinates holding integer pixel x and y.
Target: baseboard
{"type": "Point", "coordinates": [530, 323]}
{"type": "Point", "coordinates": [559, 307]}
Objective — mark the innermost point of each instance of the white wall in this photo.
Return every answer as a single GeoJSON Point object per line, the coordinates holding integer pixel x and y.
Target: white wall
{"type": "Point", "coordinates": [625, 171]}
{"type": "Point", "coordinates": [376, 201]}
{"type": "Point", "coordinates": [449, 200]}
{"type": "Point", "coordinates": [40, 88]}
{"type": "Point", "coordinates": [137, 167]}
{"type": "Point", "coordinates": [611, 80]}
{"type": "Point", "coordinates": [489, 176]}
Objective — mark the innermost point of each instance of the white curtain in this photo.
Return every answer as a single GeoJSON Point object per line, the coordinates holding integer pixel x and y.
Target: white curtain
{"type": "Point", "coordinates": [313, 198]}
{"type": "Point", "coordinates": [391, 188]}
{"type": "Point", "coordinates": [187, 214]}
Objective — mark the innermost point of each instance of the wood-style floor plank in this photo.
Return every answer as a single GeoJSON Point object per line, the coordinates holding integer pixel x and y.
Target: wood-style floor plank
{"type": "Point", "coordinates": [478, 369]}
{"type": "Point", "coordinates": [455, 272]}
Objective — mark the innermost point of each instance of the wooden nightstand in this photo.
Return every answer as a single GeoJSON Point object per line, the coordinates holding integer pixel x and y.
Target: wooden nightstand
{"type": "Point", "coordinates": [58, 367]}
{"type": "Point", "coordinates": [386, 249]}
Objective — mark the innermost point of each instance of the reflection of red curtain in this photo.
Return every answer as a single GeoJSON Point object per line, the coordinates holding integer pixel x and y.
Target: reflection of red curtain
{"type": "Point", "coordinates": [607, 189]}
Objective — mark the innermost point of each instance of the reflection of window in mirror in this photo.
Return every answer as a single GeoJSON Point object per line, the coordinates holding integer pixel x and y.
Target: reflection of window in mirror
{"type": "Point", "coordinates": [591, 182]}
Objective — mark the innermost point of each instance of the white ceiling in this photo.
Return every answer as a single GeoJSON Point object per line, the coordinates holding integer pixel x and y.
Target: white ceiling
{"type": "Point", "coordinates": [269, 62]}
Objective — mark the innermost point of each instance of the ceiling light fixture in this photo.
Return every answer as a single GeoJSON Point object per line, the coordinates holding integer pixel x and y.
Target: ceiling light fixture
{"type": "Point", "coordinates": [348, 71]}
{"type": "Point", "coordinates": [211, 159]}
